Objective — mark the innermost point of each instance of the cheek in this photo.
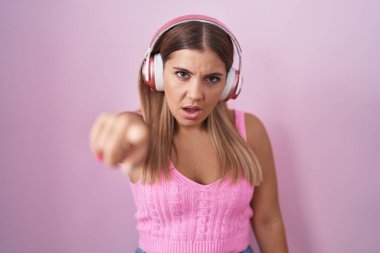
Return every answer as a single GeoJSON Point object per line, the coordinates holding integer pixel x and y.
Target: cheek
{"type": "Point", "coordinates": [172, 90]}
{"type": "Point", "coordinates": [172, 99]}
{"type": "Point", "coordinates": [169, 97]}
{"type": "Point", "coordinates": [216, 94]}
{"type": "Point", "coordinates": [169, 83]}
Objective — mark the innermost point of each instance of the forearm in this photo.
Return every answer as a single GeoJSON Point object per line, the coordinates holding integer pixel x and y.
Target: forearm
{"type": "Point", "coordinates": [270, 236]}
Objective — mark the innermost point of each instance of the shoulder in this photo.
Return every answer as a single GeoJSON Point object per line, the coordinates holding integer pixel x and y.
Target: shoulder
{"type": "Point", "coordinates": [257, 136]}
{"type": "Point", "coordinates": [231, 115]}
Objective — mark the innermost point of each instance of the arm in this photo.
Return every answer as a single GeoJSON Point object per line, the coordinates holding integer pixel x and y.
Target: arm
{"type": "Point", "coordinates": [267, 221]}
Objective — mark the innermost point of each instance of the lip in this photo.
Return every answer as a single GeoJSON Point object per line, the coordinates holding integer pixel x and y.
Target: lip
{"type": "Point", "coordinates": [194, 115]}
{"type": "Point", "coordinates": [193, 107]}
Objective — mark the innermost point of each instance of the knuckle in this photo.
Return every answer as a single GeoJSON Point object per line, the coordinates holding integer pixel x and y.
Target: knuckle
{"type": "Point", "coordinates": [125, 119]}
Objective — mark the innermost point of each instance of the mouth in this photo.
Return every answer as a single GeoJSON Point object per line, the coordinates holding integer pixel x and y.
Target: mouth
{"type": "Point", "coordinates": [191, 112]}
{"type": "Point", "coordinates": [191, 109]}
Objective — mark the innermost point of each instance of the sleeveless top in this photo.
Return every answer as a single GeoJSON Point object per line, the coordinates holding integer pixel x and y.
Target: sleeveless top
{"type": "Point", "coordinates": [181, 215]}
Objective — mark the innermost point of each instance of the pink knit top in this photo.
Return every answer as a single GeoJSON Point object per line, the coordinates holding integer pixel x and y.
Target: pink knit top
{"type": "Point", "coordinates": [181, 215]}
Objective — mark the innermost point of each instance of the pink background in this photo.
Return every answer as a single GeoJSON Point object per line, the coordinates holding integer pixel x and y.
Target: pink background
{"type": "Point", "coordinates": [311, 74]}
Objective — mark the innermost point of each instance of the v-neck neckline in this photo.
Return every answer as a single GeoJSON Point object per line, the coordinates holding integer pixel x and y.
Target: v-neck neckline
{"type": "Point", "coordinates": [191, 182]}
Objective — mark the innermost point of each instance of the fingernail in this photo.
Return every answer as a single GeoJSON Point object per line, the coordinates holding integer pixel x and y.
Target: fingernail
{"type": "Point", "coordinates": [99, 158]}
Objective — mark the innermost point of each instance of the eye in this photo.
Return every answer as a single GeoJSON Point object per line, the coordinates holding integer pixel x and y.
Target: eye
{"type": "Point", "coordinates": [213, 79]}
{"type": "Point", "coordinates": [182, 74]}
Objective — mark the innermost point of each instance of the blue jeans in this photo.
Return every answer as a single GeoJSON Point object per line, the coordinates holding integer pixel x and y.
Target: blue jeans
{"type": "Point", "coordinates": [247, 250]}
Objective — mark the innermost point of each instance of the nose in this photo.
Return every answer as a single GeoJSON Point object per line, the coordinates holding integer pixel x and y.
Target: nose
{"type": "Point", "coordinates": [195, 89]}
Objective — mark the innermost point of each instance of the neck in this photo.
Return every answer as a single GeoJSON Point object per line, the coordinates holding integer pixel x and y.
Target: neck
{"type": "Point", "coordinates": [189, 139]}
{"type": "Point", "coordinates": [187, 131]}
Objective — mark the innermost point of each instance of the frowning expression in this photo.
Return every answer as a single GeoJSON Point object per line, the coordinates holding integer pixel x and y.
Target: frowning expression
{"type": "Point", "coordinates": [193, 84]}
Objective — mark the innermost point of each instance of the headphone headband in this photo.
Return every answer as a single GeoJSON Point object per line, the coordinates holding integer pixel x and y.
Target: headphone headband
{"type": "Point", "coordinates": [204, 19]}
{"type": "Point", "coordinates": [189, 18]}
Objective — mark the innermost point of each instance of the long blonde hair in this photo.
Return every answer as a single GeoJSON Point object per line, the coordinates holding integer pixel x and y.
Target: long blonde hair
{"type": "Point", "coordinates": [234, 155]}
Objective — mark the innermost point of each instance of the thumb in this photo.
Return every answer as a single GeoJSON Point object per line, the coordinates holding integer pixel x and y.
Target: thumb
{"type": "Point", "coordinates": [126, 168]}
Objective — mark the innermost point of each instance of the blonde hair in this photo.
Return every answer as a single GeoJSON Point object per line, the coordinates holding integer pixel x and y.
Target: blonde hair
{"type": "Point", "coordinates": [234, 155]}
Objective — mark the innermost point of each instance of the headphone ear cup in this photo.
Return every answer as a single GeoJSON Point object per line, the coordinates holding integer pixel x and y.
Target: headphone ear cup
{"type": "Point", "coordinates": [158, 72]}
{"type": "Point", "coordinates": [231, 85]}
{"type": "Point", "coordinates": [147, 73]}
{"type": "Point", "coordinates": [152, 72]}
{"type": "Point", "coordinates": [143, 71]}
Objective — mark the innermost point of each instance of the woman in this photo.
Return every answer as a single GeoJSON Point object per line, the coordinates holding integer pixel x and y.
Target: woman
{"type": "Point", "coordinates": [198, 170]}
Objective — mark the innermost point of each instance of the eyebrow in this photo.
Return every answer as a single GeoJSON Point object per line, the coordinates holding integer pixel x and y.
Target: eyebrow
{"type": "Point", "coordinates": [188, 71]}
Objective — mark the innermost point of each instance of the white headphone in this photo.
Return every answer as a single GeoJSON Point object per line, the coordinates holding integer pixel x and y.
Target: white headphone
{"type": "Point", "coordinates": [153, 67]}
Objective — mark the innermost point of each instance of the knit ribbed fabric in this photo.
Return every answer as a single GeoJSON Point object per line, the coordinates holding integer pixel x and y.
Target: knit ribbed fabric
{"type": "Point", "coordinates": [183, 216]}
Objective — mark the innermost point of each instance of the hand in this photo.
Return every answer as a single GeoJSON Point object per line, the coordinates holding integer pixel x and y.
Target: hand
{"type": "Point", "coordinates": [120, 139]}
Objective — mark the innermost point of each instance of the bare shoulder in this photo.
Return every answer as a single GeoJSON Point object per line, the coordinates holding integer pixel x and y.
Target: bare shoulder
{"type": "Point", "coordinates": [257, 136]}
{"type": "Point", "coordinates": [231, 115]}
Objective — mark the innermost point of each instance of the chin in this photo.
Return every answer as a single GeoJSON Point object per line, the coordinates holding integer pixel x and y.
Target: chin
{"type": "Point", "coordinates": [182, 122]}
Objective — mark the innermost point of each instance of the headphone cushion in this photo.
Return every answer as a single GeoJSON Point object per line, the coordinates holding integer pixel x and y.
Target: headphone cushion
{"type": "Point", "coordinates": [148, 73]}
{"type": "Point", "coordinates": [230, 80]}
{"type": "Point", "coordinates": [158, 72]}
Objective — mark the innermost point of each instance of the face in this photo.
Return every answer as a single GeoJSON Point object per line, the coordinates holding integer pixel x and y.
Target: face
{"type": "Point", "coordinates": [193, 84]}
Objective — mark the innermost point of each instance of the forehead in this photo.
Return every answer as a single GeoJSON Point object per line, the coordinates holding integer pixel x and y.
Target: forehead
{"type": "Point", "coordinates": [205, 59]}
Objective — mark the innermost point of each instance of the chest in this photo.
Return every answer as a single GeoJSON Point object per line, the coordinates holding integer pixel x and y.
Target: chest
{"type": "Point", "coordinates": [198, 161]}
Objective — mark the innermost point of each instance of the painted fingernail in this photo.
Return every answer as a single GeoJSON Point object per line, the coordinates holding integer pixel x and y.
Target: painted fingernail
{"type": "Point", "coordinates": [99, 158]}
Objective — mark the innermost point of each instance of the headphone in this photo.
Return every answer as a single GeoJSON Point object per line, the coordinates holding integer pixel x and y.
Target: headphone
{"type": "Point", "coordinates": [153, 67]}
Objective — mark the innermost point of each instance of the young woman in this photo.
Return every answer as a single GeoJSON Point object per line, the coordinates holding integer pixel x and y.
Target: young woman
{"type": "Point", "coordinates": [198, 170]}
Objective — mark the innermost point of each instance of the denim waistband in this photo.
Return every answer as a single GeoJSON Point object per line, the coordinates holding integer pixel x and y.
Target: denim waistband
{"type": "Point", "coordinates": [247, 250]}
